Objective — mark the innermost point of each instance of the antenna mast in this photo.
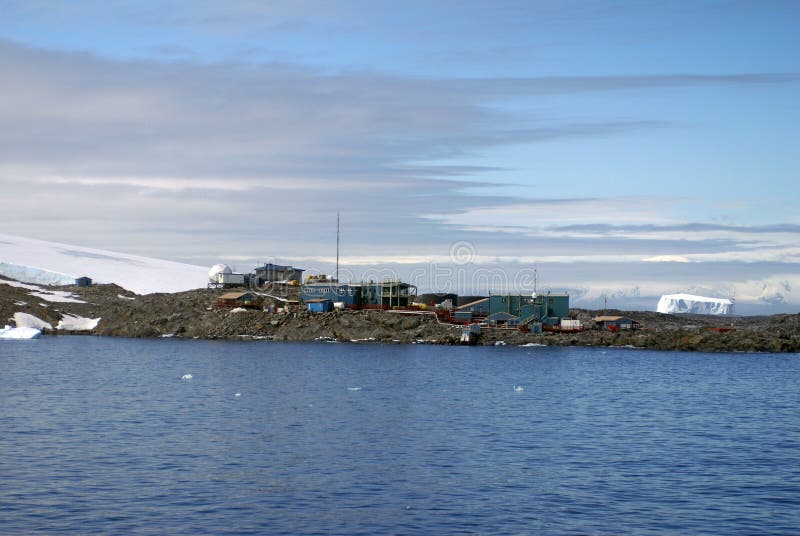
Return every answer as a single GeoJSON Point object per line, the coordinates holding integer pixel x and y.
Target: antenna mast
{"type": "Point", "coordinates": [337, 247]}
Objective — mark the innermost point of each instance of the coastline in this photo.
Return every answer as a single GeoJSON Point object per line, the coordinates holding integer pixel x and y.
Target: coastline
{"type": "Point", "coordinates": [189, 315]}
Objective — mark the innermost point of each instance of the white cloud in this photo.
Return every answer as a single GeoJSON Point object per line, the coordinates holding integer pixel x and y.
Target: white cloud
{"type": "Point", "coordinates": [187, 161]}
{"type": "Point", "coordinates": [667, 258]}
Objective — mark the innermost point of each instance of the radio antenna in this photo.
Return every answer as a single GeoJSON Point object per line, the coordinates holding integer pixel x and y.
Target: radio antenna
{"type": "Point", "coordinates": [337, 247]}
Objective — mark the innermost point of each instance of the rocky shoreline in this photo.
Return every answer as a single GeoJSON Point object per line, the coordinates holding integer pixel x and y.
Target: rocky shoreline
{"type": "Point", "coordinates": [190, 315]}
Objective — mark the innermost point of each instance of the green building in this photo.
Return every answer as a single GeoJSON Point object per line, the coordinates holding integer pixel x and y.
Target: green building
{"type": "Point", "coordinates": [547, 308]}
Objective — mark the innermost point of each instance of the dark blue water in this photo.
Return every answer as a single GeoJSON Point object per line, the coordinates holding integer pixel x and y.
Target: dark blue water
{"type": "Point", "coordinates": [102, 436]}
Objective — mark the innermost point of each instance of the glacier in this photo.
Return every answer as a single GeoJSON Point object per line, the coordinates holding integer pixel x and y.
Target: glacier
{"type": "Point", "coordinates": [688, 303]}
{"type": "Point", "coordinates": [51, 263]}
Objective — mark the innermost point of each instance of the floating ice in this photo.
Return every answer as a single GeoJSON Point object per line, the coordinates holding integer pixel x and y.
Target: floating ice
{"type": "Point", "coordinates": [518, 388]}
{"type": "Point", "coordinates": [187, 377]}
{"type": "Point", "coordinates": [354, 388]}
{"type": "Point", "coordinates": [237, 395]}
{"type": "Point", "coordinates": [9, 332]}
{"type": "Point", "coordinates": [500, 343]}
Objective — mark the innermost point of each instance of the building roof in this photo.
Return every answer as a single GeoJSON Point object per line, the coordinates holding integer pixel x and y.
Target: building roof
{"type": "Point", "coordinates": [234, 295]}
{"type": "Point", "coordinates": [470, 304]}
{"type": "Point", "coordinates": [530, 294]}
{"type": "Point", "coordinates": [391, 283]}
{"type": "Point", "coordinates": [324, 284]}
{"type": "Point", "coordinates": [270, 267]}
{"type": "Point", "coordinates": [610, 318]}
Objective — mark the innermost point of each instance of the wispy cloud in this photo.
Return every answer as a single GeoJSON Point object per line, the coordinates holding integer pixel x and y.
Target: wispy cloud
{"type": "Point", "coordinates": [187, 160]}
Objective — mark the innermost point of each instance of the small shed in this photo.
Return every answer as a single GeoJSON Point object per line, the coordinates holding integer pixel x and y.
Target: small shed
{"type": "Point", "coordinates": [615, 323]}
{"type": "Point", "coordinates": [83, 281]}
{"type": "Point", "coordinates": [236, 299]}
{"type": "Point", "coordinates": [319, 306]}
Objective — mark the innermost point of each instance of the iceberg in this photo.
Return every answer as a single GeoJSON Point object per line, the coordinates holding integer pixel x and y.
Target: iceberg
{"type": "Point", "coordinates": [9, 332]}
{"type": "Point", "coordinates": [688, 303]}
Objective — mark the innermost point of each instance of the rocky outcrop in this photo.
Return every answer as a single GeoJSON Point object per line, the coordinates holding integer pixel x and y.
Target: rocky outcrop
{"type": "Point", "coordinates": [191, 315]}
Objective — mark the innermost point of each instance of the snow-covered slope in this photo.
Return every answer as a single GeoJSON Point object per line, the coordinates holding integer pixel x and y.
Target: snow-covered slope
{"type": "Point", "coordinates": [688, 303]}
{"type": "Point", "coordinates": [51, 263]}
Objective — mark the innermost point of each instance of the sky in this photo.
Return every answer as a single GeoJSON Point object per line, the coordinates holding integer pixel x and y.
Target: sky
{"type": "Point", "coordinates": [616, 150]}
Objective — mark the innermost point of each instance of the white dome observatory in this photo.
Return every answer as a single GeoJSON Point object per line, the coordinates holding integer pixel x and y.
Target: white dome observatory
{"type": "Point", "coordinates": [216, 270]}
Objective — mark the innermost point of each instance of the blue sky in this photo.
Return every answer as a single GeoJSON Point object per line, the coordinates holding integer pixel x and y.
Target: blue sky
{"type": "Point", "coordinates": [625, 148]}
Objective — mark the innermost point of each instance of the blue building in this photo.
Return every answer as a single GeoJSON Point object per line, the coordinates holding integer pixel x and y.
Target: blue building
{"type": "Point", "coordinates": [319, 306]}
{"type": "Point", "coordinates": [83, 281]}
{"type": "Point", "coordinates": [346, 293]}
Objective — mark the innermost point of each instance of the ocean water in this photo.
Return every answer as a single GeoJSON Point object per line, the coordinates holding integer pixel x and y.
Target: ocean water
{"type": "Point", "coordinates": [101, 435]}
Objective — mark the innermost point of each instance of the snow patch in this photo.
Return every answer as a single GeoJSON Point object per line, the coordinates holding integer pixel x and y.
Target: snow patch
{"type": "Point", "coordinates": [121, 297]}
{"type": "Point", "coordinates": [690, 304]}
{"type": "Point", "coordinates": [60, 296]}
{"type": "Point", "coordinates": [238, 310]}
{"type": "Point", "coordinates": [9, 332]}
{"type": "Point", "coordinates": [77, 323]}
{"type": "Point", "coordinates": [17, 284]}
{"type": "Point", "coordinates": [25, 320]}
